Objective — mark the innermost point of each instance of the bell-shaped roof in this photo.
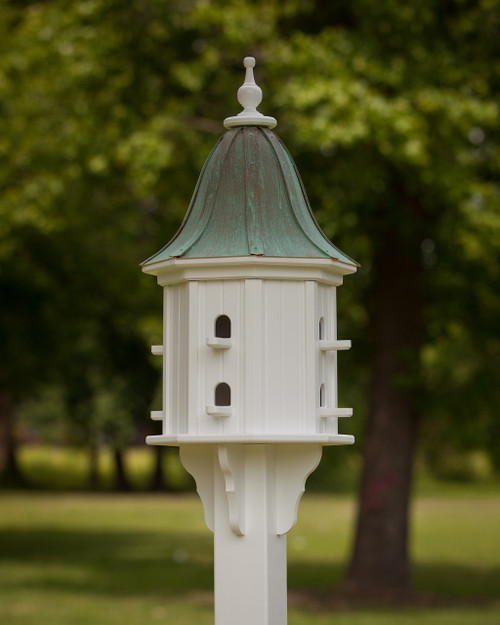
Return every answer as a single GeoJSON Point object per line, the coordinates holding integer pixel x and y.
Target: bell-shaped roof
{"type": "Point", "coordinates": [249, 199]}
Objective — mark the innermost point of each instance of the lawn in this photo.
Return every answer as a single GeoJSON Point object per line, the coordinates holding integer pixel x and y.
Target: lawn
{"type": "Point", "coordinates": [135, 559]}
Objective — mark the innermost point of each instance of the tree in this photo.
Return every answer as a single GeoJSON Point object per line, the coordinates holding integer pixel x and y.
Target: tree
{"type": "Point", "coordinates": [403, 104]}
{"type": "Point", "coordinates": [391, 113]}
{"type": "Point", "coordinates": [71, 232]}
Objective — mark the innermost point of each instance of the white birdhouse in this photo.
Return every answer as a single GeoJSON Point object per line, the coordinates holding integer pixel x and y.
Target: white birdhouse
{"type": "Point", "coordinates": [250, 350]}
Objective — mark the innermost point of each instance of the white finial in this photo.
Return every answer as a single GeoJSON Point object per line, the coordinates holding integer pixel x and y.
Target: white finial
{"type": "Point", "coordinates": [249, 96]}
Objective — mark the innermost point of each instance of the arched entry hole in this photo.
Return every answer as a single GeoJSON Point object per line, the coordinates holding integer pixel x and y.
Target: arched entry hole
{"type": "Point", "coordinates": [223, 327]}
{"type": "Point", "coordinates": [223, 394]}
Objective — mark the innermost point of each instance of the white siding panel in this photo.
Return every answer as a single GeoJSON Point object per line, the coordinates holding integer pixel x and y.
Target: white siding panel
{"type": "Point", "coordinates": [183, 351]}
{"type": "Point", "coordinates": [172, 368]}
{"type": "Point", "coordinates": [177, 360]}
{"type": "Point", "coordinates": [253, 348]}
{"type": "Point", "coordinates": [272, 355]}
{"type": "Point", "coordinates": [292, 337]}
{"type": "Point", "coordinates": [312, 421]}
{"type": "Point", "coordinates": [192, 317]}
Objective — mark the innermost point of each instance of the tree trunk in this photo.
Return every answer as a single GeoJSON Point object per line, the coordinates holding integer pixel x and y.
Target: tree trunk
{"type": "Point", "coordinates": [122, 482]}
{"type": "Point", "coordinates": [93, 465]}
{"type": "Point", "coordinates": [380, 559]}
{"type": "Point", "coordinates": [158, 481]}
{"type": "Point", "coordinates": [9, 465]}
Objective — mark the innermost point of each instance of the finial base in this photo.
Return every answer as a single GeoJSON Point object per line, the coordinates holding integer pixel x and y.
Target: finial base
{"type": "Point", "coordinates": [248, 119]}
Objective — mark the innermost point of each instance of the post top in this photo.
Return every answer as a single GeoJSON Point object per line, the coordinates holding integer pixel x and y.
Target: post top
{"type": "Point", "coordinates": [250, 96]}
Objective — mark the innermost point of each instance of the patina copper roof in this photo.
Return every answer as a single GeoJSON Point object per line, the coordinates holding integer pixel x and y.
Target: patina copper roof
{"type": "Point", "coordinates": [249, 200]}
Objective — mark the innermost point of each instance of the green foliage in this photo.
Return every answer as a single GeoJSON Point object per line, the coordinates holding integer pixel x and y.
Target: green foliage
{"type": "Point", "coordinates": [46, 415]}
{"type": "Point", "coordinates": [392, 113]}
{"type": "Point", "coordinates": [108, 111]}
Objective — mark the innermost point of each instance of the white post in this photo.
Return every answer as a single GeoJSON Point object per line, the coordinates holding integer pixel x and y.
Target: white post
{"type": "Point", "coordinates": [250, 494]}
{"type": "Point", "coordinates": [250, 569]}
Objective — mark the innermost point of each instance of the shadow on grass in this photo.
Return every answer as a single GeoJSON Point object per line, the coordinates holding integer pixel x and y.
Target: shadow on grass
{"type": "Point", "coordinates": [318, 587]}
{"type": "Point", "coordinates": [131, 563]}
{"type": "Point", "coordinates": [159, 564]}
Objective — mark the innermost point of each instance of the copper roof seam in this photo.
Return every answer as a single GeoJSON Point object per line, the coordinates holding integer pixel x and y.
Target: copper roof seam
{"type": "Point", "coordinates": [207, 214]}
{"type": "Point", "coordinates": [254, 228]}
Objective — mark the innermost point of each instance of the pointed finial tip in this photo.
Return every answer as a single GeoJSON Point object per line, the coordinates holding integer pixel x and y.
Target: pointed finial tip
{"type": "Point", "coordinates": [249, 96]}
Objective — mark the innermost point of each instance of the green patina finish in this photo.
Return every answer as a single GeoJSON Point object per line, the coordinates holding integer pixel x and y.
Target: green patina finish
{"type": "Point", "coordinates": [249, 201]}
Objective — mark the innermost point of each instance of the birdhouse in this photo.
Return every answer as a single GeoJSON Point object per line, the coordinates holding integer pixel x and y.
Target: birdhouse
{"type": "Point", "coordinates": [250, 281]}
{"type": "Point", "coordinates": [250, 355]}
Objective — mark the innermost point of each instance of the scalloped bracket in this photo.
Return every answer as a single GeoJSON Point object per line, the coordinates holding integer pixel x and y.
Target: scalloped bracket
{"type": "Point", "coordinates": [294, 464]}
{"type": "Point", "coordinates": [263, 479]}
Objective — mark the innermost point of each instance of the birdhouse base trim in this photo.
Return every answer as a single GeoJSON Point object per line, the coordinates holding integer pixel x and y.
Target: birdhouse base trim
{"type": "Point", "coordinates": [322, 439]}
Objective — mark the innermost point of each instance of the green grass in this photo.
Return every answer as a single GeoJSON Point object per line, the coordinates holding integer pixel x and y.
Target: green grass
{"type": "Point", "coordinates": [134, 559]}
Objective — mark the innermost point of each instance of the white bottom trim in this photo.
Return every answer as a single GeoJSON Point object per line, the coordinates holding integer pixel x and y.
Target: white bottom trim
{"type": "Point", "coordinates": [186, 439]}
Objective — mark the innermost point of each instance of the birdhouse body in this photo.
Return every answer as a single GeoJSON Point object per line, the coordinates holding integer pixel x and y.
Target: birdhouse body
{"type": "Point", "coordinates": [244, 350]}
{"type": "Point", "coordinates": [251, 255]}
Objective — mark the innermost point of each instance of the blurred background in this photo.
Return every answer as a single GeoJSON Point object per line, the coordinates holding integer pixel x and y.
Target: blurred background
{"type": "Point", "coordinates": [108, 110]}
